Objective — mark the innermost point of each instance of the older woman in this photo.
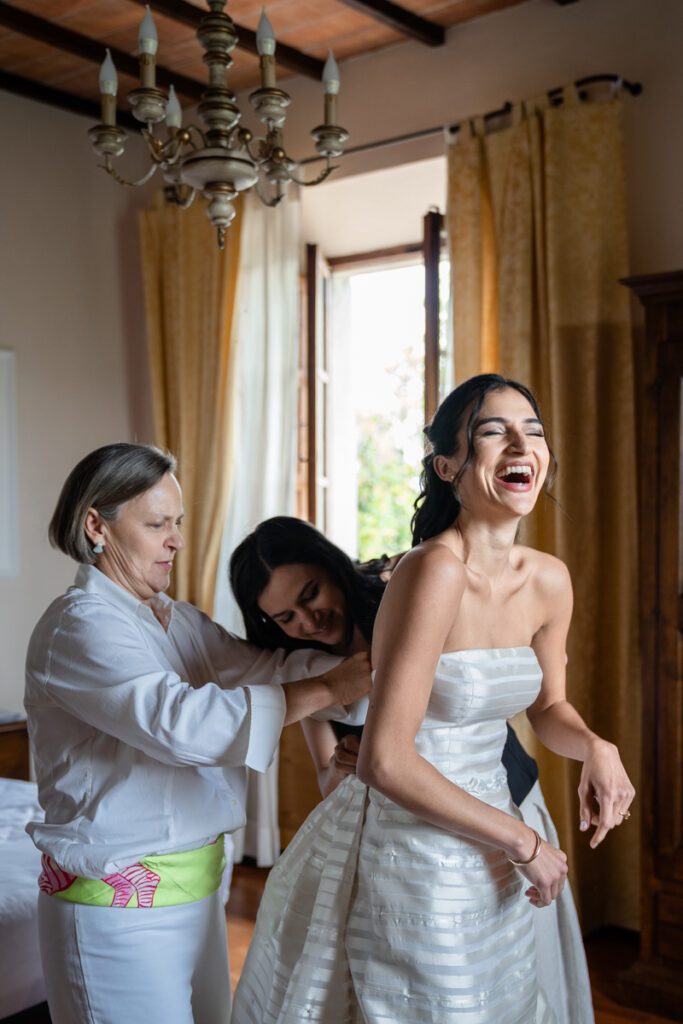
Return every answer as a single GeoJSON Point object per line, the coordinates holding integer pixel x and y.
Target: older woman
{"type": "Point", "coordinates": [407, 895]}
{"type": "Point", "coordinates": [142, 715]}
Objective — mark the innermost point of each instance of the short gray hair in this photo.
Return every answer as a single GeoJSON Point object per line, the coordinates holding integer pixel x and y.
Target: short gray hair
{"type": "Point", "coordinates": [105, 480]}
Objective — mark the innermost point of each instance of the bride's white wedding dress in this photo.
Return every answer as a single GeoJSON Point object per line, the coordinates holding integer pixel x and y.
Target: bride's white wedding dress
{"type": "Point", "coordinates": [373, 916]}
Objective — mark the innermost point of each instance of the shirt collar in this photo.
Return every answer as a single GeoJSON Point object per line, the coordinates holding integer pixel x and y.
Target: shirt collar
{"type": "Point", "coordinates": [90, 579]}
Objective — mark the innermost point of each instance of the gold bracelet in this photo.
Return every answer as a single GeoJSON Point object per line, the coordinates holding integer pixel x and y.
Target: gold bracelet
{"type": "Point", "coordinates": [534, 855]}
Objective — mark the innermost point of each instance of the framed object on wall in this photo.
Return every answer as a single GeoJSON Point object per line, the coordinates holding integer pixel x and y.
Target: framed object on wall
{"type": "Point", "coordinates": [9, 537]}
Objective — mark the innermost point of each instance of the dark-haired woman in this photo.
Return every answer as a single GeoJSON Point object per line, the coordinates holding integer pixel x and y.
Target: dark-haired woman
{"type": "Point", "coordinates": [295, 589]}
{"type": "Point", "coordinates": [402, 897]}
{"type": "Point", "coordinates": [142, 714]}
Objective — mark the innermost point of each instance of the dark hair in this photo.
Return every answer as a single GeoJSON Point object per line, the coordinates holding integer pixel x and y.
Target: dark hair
{"type": "Point", "coordinates": [105, 479]}
{"type": "Point", "coordinates": [437, 506]}
{"type": "Point", "coordinates": [284, 540]}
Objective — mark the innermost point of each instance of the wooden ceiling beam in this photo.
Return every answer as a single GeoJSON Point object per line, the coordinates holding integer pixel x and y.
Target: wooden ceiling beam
{"type": "Point", "coordinates": [64, 100]}
{"type": "Point", "coordinates": [90, 49]}
{"type": "Point", "coordinates": [402, 20]}
{"type": "Point", "coordinates": [287, 56]}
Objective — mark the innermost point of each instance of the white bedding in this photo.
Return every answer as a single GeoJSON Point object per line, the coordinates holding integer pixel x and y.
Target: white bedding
{"type": "Point", "coordinates": [21, 980]}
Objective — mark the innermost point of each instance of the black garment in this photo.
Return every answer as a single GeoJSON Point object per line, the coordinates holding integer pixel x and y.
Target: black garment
{"type": "Point", "coordinates": [521, 768]}
{"type": "Point", "coordinates": [341, 730]}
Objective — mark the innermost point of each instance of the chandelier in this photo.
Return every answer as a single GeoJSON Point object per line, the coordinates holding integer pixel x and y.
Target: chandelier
{"type": "Point", "coordinates": [224, 158]}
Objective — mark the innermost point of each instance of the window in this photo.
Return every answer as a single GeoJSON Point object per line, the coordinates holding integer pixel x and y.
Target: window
{"type": "Point", "coordinates": [367, 354]}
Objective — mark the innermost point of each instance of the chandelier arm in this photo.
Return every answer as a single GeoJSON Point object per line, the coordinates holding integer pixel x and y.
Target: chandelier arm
{"type": "Point", "coordinates": [316, 181]}
{"type": "Point", "coordinates": [276, 199]}
{"type": "Point", "coordinates": [188, 202]}
{"type": "Point", "coordinates": [200, 133]}
{"type": "Point", "coordinates": [262, 143]}
{"type": "Point", "coordinates": [130, 184]}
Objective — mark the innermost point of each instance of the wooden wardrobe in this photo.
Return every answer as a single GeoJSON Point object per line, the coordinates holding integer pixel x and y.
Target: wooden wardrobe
{"type": "Point", "coordinates": [655, 982]}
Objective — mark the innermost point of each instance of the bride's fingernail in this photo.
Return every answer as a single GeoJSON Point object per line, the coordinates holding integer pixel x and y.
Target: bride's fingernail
{"type": "Point", "coordinates": [583, 826]}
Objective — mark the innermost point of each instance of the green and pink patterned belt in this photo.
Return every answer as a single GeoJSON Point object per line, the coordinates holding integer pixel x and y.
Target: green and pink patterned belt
{"type": "Point", "coordinates": [166, 880]}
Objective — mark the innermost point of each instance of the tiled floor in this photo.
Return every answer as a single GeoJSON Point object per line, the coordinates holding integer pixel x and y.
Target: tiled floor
{"type": "Point", "coordinates": [609, 951]}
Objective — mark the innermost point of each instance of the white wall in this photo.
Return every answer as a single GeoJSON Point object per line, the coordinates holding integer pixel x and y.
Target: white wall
{"type": "Point", "coordinates": [513, 55]}
{"type": "Point", "coordinates": [376, 210]}
{"type": "Point", "coordinates": [71, 309]}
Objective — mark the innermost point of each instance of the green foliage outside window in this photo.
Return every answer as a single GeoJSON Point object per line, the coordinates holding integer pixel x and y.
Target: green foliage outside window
{"type": "Point", "coordinates": [387, 488]}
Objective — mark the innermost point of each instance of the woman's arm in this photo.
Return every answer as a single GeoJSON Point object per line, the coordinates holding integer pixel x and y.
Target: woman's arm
{"type": "Point", "coordinates": [343, 684]}
{"type": "Point", "coordinates": [414, 620]}
{"type": "Point", "coordinates": [333, 760]}
{"type": "Point", "coordinates": [558, 724]}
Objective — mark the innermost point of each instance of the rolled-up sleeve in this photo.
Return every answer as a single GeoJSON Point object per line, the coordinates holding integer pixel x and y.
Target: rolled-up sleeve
{"type": "Point", "coordinates": [267, 705]}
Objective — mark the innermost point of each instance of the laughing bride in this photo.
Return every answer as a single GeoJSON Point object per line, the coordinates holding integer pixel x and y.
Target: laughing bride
{"type": "Point", "coordinates": [407, 895]}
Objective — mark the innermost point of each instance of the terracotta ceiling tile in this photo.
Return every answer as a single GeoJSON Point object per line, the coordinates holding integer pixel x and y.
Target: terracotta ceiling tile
{"type": "Point", "coordinates": [102, 18]}
{"type": "Point", "coordinates": [15, 50]}
{"type": "Point", "coordinates": [52, 10]}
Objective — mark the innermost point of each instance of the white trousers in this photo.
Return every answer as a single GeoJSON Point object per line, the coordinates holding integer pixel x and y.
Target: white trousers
{"type": "Point", "coordinates": [163, 965]}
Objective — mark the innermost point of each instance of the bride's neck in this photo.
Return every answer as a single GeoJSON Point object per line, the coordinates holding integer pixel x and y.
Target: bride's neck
{"type": "Point", "coordinates": [486, 547]}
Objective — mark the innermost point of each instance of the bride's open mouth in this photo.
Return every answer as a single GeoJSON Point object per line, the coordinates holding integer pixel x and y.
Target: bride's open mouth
{"type": "Point", "coordinates": [517, 476]}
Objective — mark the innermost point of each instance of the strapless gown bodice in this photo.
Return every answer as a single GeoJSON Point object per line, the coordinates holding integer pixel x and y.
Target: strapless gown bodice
{"type": "Point", "coordinates": [473, 694]}
{"type": "Point", "coordinates": [374, 916]}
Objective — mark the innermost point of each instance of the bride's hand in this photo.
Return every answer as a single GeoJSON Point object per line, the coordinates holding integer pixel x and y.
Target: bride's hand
{"type": "Point", "coordinates": [603, 780]}
{"type": "Point", "coordinates": [547, 873]}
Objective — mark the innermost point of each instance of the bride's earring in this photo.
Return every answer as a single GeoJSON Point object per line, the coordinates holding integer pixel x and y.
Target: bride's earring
{"type": "Point", "coordinates": [98, 548]}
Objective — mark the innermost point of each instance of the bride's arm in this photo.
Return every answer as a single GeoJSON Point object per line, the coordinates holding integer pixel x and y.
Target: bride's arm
{"type": "Point", "coordinates": [558, 724]}
{"type": "Point", "coordinates": [415, 617]}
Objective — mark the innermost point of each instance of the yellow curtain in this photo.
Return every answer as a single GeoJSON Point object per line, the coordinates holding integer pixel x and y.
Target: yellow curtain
{"type": "Point", "coordinates": [190, 288]}
{"type": "Point", "coordinates": [536, 217]}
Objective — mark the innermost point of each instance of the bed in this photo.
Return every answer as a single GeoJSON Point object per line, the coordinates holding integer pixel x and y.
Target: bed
{"type": "Point", "coordinates": [22, 993]}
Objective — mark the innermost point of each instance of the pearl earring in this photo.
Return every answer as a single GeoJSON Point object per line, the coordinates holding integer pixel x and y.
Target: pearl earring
{"type": "Point", "coordinates": [98, 548]}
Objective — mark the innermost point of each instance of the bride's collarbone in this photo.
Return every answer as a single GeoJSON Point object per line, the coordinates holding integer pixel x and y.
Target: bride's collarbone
{"type": "Point", "coordinates": [500, 621]}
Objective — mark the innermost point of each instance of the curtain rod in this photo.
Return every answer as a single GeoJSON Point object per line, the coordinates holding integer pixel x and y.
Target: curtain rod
{"type": "Point", "coordinates": [554, 95]}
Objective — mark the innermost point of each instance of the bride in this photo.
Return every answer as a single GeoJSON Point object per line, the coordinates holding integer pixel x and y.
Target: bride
{"type": "Point", "coordinates": [407, 895]}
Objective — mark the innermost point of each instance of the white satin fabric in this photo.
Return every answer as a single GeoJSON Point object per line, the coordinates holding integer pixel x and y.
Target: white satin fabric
{"type": "Point", "coordinates": [372, 916]}
{"type": "Point", "coordinates": [560, 956]}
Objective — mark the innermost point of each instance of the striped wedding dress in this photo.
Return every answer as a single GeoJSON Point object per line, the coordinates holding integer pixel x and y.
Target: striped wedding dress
{"type": "Point", "coordinates": [373, 916]}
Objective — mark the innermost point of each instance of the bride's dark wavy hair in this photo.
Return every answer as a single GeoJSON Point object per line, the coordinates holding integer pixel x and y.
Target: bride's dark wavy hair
{"type": "Point", "coordinates": [437, 506]}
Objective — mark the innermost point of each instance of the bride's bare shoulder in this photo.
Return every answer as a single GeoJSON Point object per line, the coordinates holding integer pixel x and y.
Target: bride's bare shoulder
{"type": "Point", "coordinates": [434, 561]}
{"type": "Point", "coordinates": [549, 575]}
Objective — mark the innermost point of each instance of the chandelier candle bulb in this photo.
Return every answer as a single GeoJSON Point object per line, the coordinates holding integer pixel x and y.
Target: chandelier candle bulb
{"type": "Point", "coordinates": [174, 113]}
{"type": "Point", "coordinates": [109, 84]}
{"type": "Point", "coordinates": [147, 44]}
{"type": "Point", "coordinates": [331, 86]}
{"type": "Point", "coordinates": [265, 44]}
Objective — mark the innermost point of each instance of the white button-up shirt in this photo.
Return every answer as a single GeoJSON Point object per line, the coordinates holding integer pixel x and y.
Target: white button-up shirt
{"type": "Point", "coordinates": [139, 734]}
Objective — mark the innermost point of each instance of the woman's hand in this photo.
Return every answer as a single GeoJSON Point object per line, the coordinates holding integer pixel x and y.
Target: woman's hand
{"type": "Point", "coordinates": [603, 780]}
{"type": "Point", "coordinates": [547, 873]}
{"type": "Point", "coordinates": [341, 764]}
{"type": "Point", "coordinates": [350, 680]}
{"type": "Point", "coordinates": [343, 684]}
{"type": "Point", "coordinates": [343, 761]}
